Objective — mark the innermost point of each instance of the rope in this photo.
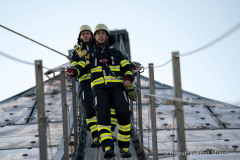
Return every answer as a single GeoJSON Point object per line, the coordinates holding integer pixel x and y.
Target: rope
{"type": "Point", "coordinates": [223, 36]}
{"type": "Point", "coordinates": [201, 102]}
{"type": "Point", "coordinates": [18, 60]}
{"type": "Point", "coordinates": [226, 34]}
{"type": "Point", "coordinates": [33, 41]}
{"type": "Point", "coordinates": [164, 64]}
{"type": "Point", "coordinates": [125, 52]}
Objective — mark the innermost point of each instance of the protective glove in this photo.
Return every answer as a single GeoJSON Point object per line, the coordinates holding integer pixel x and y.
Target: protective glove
{"type": "Point", "coordinates": [70, 73]}
{"type": "Point", "coordinates": [131, 92]}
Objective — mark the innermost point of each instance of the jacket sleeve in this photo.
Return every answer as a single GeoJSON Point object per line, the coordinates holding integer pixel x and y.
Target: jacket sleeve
{"type": "Point", "coordinates": [125, 67]}
{"type": "Point", "coordinates": [74, 58]}
{"type": "Point", "coordinates": [77, 64]}
{"type": "Point", "coordinates": [80, 66]}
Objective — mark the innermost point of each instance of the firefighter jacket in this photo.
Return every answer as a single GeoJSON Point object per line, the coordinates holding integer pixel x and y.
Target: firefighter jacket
{"type": "Point", "coordinates": [108, 67]}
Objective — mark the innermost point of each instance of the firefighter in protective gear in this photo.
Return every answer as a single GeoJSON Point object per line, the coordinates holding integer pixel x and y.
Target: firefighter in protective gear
{"type": "Point", "coordinates": [110, 72]}
{"type": "Point", "coordinates": [85, 92]}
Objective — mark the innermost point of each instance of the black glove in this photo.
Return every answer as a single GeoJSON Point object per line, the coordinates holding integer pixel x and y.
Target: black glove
{"type": "Point", "coordinates": [131, 92]}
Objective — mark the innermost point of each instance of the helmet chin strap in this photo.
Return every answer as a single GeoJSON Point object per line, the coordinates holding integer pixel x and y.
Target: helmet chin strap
{"type": "Point", "coordinates": [80, 41]}
{"type": "Point", "coordinates": [103, 43]}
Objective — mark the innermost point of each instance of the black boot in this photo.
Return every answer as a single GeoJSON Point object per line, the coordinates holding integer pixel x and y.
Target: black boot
{"type": "Point", "coordinates": [109, 153]}
{"type": "Point", "coordinates": [125, 153]}
{"type": "Point", "coordinates": [95, 143]}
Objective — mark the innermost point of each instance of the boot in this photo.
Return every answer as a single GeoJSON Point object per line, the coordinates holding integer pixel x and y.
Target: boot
{"type": "Point", "coordinates": [109, 153]}
{"type": "Point", "coordinates": [95, 143]}
{"type": "Point", "coordinates": [125, 153]}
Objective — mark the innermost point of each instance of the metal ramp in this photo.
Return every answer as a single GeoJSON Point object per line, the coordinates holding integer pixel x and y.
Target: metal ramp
{"type": "Point", "coordinates": [97, 153]}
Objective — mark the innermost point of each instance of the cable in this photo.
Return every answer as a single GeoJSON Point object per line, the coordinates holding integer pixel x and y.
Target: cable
{"type": "Point", "coordinates": [164, 64]}
{"type": "Point", "coordinates": [19, 60]}
{"type": "Point", "coordinates": [34, 41]}
{"type": "Point", "coordinates": [229, 32]}
{"type": "Point", "coordinates": [202, 102]}
{"type": "Point", "coordinates": [125, 52]}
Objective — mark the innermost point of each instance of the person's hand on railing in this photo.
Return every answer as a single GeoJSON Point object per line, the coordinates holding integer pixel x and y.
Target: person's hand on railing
{"type": "Point", "coordinates": [70, 73]}
{"type": "Point", "coordinates": [127, 82]}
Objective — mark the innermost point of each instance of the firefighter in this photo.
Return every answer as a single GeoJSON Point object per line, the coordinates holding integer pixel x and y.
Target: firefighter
{"type": "Point", "coordinates": [85, 92]}
{"type": "Point", "coordinates": [110, 72]}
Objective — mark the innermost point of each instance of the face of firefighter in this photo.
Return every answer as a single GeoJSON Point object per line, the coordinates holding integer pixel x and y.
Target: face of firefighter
{"type": "Point", "coordinates": [85, 36]}
{"type": "Point", "coordinates": [101, 36]}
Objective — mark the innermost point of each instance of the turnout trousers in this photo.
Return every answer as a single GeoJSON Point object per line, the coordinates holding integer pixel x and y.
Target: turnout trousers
{"type": "Point", "coordinates": [104, 98]}
{"type": "Point", "coordinates": [86, 98]}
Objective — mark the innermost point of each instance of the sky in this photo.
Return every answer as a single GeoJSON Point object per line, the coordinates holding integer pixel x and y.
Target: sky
{"type": "Point", "coordinates": [156, 28]}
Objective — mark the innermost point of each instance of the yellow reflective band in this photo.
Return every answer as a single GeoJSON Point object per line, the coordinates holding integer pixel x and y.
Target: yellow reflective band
{"type": "Point", "coordinates": [115, 68]}
{"type": "Point", "coordinates": [125, 128]}
{"type": "Point", "coordinates": [82, 63]}
{"type": "Point", "coordinates": [96, 69]}
{"type": "Point", "coordinates": [112, 79]}
{"type": "Point", "coordinates": [125, 138]}
{"type": "Point", "coordinates": [124, 63]}
{"type": "Point", "coordinates": [105, 136]}
{"type": "Point", "coordinates": [85, 77]}
{"type": "Point", "coordinates": [100, 127]}
{"type": "Point", "coordinates": [113, 111]}
{"type": "Point", "coordinates": [129, 73]}
{"type": "Point", "coordinates": [74, 63]}
{"type": "Point", "coordinates": [94, 119]}
{"type": "Point", "coordinates": [113, 121]}
{"type": "Point", "coordinates": [97, 81]}
{"type": "Point", "coordinates": [106, 79]}
{"type": "Point", "coordinates": [93, 128]}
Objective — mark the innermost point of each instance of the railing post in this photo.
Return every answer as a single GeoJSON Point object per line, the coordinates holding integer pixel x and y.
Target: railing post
{"type": "Point", "coordinates": [75, 113]}
{"type": "Point", "coordinates": [131, 108]}
{"type": "Point", "coordinates": [42, 127]}
{"type": "Point", "coordinates": [153, 111]}
{"type": "Point", "coordinates": [139, 99]}
{"type": "Point", "coordinates": [64, 114]}
{"type": "Point", "coordinates": [179, 106]}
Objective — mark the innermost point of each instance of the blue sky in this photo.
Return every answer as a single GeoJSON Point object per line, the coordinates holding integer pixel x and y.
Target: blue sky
{"type": "Point", "coordinates": [156, 28]}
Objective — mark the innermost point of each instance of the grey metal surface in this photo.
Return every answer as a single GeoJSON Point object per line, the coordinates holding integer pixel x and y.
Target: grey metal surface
{"type": "Point", "coordinates": [98, 154]}
{"type": "Point", "coordinates": [202, 130]}
{"type": "Point", "coordinates": [19, 139]}
{"type": "Point", "coordinates": [16, 110]}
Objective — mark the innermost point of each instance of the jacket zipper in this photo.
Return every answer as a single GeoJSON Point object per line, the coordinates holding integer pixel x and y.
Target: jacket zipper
{"type": "Point", "coordinates": [104, 75]}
